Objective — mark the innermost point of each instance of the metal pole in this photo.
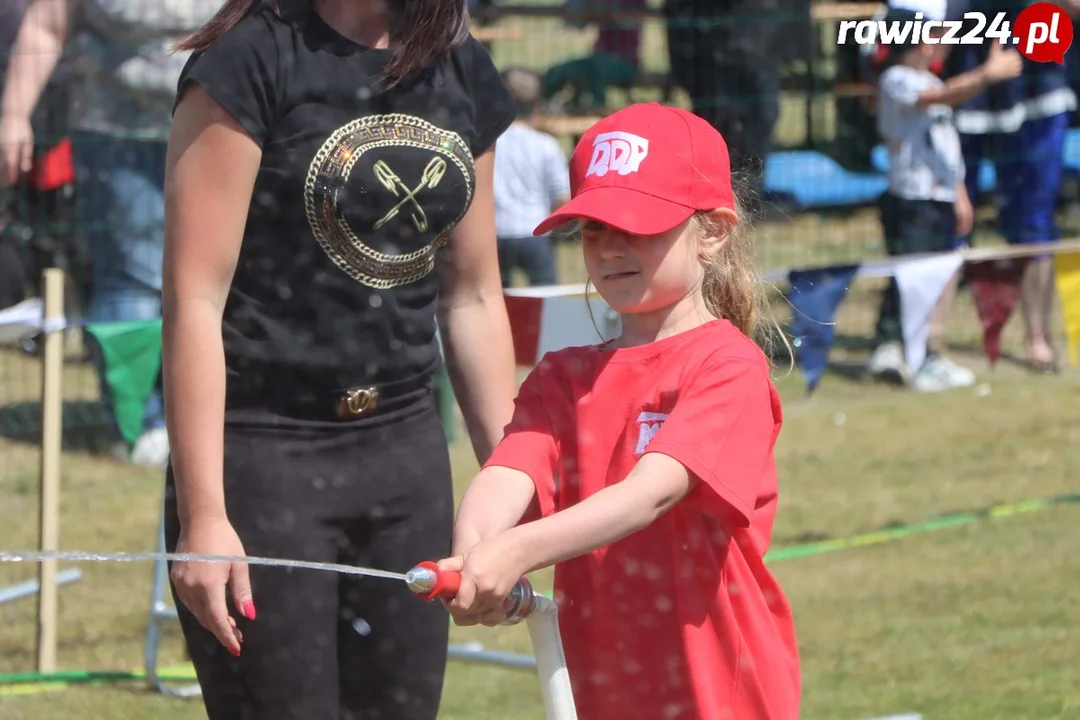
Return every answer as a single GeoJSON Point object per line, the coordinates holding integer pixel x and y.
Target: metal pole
{"type": "Point", "coordinates": [31, 587]}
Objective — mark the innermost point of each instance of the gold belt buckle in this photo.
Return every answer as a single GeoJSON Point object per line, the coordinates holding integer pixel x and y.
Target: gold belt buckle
{"type": "Point", "coordinates": [358, 401]}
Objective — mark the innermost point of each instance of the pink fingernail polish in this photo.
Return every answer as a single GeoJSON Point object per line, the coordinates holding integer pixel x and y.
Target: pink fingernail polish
{"type": "Point", "coordinates": [249, 610]}
{"type": "Point", "coordinates": [235, 652]}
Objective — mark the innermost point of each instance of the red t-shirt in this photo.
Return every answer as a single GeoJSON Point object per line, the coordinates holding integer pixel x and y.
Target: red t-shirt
{"type": "Point", "coordinates": [682, 619]}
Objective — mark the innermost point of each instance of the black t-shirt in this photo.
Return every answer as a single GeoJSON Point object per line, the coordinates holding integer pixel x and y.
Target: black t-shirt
{"type": "Point", "coordinates": [357, 190]}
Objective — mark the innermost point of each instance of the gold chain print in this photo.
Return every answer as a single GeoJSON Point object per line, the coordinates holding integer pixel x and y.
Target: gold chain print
{"type": "Point", "coordinates": [330, 170]}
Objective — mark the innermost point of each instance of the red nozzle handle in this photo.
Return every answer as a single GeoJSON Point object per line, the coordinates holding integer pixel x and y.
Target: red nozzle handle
{"type": "Point", "coordinates": [446, 585]}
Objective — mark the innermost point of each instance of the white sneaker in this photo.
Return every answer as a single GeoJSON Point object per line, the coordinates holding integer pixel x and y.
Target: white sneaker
{"type": "Point", "coordinates": [939, 373]}
{"type": "Point", "coordinates": [152, 448]}
{"type": "Point", "coordinates": [887, 363]}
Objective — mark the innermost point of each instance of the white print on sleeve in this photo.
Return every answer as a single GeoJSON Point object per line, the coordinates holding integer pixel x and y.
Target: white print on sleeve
{"type": "Point", "coordinates": [649, 423]}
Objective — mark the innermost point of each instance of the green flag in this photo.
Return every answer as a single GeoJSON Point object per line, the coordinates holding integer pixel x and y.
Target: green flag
{"type": "Point", "coordinates": [132, 352]}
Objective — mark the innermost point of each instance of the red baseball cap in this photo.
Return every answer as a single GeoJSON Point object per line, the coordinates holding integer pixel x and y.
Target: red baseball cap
{"type": "Point", "coordinates": [644, 170]}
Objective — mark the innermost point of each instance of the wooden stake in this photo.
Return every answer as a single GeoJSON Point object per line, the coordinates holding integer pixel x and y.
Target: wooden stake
{"type": "Point", "coordinates": [52, 408]}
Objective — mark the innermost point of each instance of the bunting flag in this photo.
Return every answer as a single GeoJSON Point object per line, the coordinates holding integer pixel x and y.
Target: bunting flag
{"type": "Point", "coordinates": [543, 319]}
{"type": "Point", "coordinates": [1067, 276]}
{"type": "Point", "coordinates": [995, 287]}
{"type": "Point", "coordinates": [525, 319]}
{"type": "Point", "coordinates": [921, 282]}
{"type": "Point", "coordinates": [20, 321]}
{"type": "Point", "coordinates": [132, 354]}
{"type": "Point", "coordinates": [814, 296]}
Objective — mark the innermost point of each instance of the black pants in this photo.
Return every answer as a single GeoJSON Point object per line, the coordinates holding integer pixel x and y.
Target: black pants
{"type": "Point", "coordinates": [910, 227]}
{"type": "Point", "coordinates": [372, 492]}
{"type": "Point", "coordinates": [728, 63]}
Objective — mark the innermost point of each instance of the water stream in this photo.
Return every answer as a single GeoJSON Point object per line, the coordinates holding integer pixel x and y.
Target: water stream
{"type": "Point", "coordinates": [13, 556]}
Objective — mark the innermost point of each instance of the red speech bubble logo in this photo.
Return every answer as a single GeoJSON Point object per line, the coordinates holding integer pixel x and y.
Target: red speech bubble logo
{"type": "Point", "coordinates": [1043, 32]}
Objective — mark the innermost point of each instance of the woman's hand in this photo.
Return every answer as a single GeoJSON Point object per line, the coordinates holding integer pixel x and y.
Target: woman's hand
{"type": "Point", "coordinates": [201, 586]}
{"type": "Point", "coordinates": [16, 148]}
{"type": "Point", "coordinates": [489, 571]}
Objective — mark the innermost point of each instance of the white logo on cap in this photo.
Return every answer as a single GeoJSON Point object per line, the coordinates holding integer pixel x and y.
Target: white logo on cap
{"type": "Point", "coordinates": [618, 151]}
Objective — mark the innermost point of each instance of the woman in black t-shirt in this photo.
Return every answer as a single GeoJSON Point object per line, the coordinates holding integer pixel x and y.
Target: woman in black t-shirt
{"type": "Point", "coordinates": [329, 195]}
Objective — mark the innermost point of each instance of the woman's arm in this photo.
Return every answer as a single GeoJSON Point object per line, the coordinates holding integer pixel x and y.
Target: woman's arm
{"type": "Point", "coordinates": [210, 172]}
{"type": "Point", "coordinates": [473, 322]}
{"type": "Point", "coordinates": [37, 49]}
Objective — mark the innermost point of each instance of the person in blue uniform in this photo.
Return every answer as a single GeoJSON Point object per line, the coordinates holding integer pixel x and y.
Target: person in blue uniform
{"type": "Point", "coordinates": [1020, 125]}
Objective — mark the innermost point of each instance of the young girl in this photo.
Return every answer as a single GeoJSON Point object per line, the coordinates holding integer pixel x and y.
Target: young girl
{"type": "Point", "coordinates": [650, 459]}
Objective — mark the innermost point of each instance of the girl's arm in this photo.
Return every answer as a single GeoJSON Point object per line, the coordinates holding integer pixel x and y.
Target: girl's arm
{"type": "Point", "coordinates": [490, 568]}
{"type": "Point", "coordinates": [653, 487]}
{"type": "Point", "coordinates": [495, 501]}
{"type": "Point", "coordinates": [473, 322]}
{"type": "Point", "coordinates": [519, 480]}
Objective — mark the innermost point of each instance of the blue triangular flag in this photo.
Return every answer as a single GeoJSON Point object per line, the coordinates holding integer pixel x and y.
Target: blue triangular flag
{"type": "Point", "coordinates": [815, 295]}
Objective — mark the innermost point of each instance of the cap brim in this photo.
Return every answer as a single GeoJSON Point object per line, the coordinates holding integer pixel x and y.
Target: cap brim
{"type": "Point", "coordinates": [622, 208]}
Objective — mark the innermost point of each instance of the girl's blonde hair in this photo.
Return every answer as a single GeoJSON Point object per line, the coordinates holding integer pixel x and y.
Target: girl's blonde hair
{"type": "Point", "coordinates": [732, 286]}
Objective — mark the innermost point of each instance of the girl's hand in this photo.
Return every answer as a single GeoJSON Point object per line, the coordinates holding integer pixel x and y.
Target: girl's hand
{"type": "Point", "coordinates": [464, 540]}
{"type": "Point", "coordinates": [489, 571]}
{"type": "Point", "coordinates": [201, 586]}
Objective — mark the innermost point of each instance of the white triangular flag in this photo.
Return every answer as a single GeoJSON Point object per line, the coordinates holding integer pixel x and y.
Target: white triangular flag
{"type": "Point", "coordinates": [572, 321]}
{"type": "Point", "coordinates": [20, 321]}
{"type": "Point", "coordinates": [920, 283]}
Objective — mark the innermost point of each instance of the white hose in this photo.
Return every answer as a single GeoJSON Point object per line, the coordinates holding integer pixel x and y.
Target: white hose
{"type": "Point", "coordinates": [543, 624]}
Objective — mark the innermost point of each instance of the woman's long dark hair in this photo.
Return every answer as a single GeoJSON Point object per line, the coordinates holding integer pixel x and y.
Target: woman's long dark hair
{"type": "Point", "coordinates": [420, 31]}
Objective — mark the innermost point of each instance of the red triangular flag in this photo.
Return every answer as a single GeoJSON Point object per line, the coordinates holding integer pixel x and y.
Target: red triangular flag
{"type": "Point", "coordinates": [526, 317]}
{"type": "Point", "coordinates": [995, 287]}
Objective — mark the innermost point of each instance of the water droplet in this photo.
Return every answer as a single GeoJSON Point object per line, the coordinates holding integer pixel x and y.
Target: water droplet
{"type": "Point", "coordinates": [361, 627]}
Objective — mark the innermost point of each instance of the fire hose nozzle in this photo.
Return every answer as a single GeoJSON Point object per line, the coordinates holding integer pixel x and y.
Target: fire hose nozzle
{"type": "Point", "coordinates": [428, 581]}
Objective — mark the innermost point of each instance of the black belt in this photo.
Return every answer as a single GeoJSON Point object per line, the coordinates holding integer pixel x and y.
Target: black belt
{"type": "Point", "coordinates": [350, 403]}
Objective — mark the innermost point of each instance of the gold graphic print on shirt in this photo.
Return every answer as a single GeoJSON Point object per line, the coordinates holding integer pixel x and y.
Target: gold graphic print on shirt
{"type": "Point", "coordinates": [331, 168]}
